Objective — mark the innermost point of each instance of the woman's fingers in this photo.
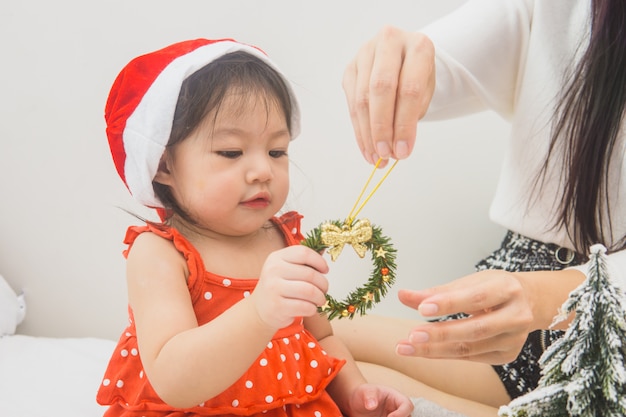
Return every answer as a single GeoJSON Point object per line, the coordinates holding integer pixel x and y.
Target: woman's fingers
{"type": "Point", "coordinates": [478, 292]}
{"type": "Point", "coordinates": [389, 59]}
{"type": "Point", "coordinates": [469, 337]}
{"type": "Point", "coordinates": [416, 84]}
{"type": "Point", "coordinates": [500, 318]}
{"type": "Point", "coordinates": [388, 87]}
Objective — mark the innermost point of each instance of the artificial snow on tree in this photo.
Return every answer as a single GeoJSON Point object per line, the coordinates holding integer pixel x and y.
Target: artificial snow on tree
{"type": "Point", "coordinates": [583, 373]}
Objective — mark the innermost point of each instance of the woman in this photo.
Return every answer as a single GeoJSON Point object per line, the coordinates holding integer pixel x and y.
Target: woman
{"type": "Point", "coordinates": [556, 71]}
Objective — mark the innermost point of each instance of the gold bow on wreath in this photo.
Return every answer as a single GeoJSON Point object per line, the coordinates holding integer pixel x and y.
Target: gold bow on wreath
{"type": "Point", "coordinates": [335, 238]}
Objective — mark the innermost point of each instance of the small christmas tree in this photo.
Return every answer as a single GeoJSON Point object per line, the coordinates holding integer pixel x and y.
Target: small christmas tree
{"type": "Point", "coordinates": [583, 373]}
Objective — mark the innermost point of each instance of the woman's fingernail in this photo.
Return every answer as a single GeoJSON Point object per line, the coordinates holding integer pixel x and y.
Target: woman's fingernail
{"type": "Point", "coordinates": [428, 309]}
{"type": "Point", "coordinates": [383, 150]}
{"type": "Point", "coordinates": [401, 150]}
{"type": "Point", "coordinates": [418, 337]}
{"type": "Point", "coordinates": [405, 350]}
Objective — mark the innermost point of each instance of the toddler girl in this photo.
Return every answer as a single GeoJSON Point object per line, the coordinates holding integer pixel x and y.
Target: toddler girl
{"type": "Point", "coordinates": [222, 297]}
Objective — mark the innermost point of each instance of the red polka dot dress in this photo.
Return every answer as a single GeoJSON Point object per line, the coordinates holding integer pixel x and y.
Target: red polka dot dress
{"type": "Point", "coordinates": [289, 377]}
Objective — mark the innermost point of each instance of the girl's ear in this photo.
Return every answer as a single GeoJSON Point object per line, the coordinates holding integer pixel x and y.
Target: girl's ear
{"type": "Point", "coordinates": [163, 174]}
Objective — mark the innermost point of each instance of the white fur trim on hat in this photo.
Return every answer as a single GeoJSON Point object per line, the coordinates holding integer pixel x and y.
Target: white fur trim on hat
{"type": "Point", "coordinates": [148, 128]}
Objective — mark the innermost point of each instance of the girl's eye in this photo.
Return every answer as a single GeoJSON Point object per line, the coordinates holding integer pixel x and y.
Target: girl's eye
{"type": "Point", "coordinates": [230, 154]}
{"type": "Point", "coordinates": [277, 153]}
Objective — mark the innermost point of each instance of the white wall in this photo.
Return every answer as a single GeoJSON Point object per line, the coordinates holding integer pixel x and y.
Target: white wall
{"type": "Point", "coordinates": [60, 225]}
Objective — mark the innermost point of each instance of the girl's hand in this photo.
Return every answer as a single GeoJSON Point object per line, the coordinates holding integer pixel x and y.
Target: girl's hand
{"type": "Point", "coordinates": [370, 400]}
{"type": "Point", "coordinates": [291, 285]}
{"type": "Point", "coordinates": [388, 86]}
{"type": "Point", "coordinates": [501, 306]}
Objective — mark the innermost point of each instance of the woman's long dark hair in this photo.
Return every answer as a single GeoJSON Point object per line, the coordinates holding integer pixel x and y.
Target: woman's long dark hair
{"type": "Point", "coordinates": [590, 117]}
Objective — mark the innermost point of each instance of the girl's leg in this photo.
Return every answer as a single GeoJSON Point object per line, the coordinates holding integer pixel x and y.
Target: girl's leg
{"type": "Point", "coordinates": [385, 376]}
{"type": "Point", "coordinates": [372, 339]}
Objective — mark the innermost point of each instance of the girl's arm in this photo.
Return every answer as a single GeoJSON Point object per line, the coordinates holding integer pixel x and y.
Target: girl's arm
{"type": "Point", "coordinates": [176, 353]}
{"type": "Point", "coordinates": [350, 390]}
{"type": "Point", "coordinates": [182, 359]}
{"type": "Point", "coordinates": [350, 376]}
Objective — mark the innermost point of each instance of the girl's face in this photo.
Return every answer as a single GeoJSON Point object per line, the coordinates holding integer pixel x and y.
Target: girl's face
{"type": "Point", "coordinates": [232, 173]}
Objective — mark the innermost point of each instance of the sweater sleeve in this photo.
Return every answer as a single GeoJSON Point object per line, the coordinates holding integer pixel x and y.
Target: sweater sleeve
{"type": "Point", "coordinates": [480, 48]}
{"type": "Point", "coordinates": [617, 262]}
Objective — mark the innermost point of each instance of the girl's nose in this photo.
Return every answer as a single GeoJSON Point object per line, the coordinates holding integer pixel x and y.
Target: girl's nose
{"type": "Point", "coordinates": [260, 169]}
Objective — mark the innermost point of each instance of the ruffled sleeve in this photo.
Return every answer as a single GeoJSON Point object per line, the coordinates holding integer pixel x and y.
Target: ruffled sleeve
{"type": "Point", "coordinates": [191, 255]}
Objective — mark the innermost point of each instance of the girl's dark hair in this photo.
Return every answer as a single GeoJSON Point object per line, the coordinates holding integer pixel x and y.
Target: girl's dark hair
{"type": "Point", "coordinates": [590, 115]}
{"type": "Point", "coordinates": [204, 92]}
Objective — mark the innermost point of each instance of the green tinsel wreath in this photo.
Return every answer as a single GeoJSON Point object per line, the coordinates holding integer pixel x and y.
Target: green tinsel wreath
{"type": "Point", "coordinates": [356, 234]}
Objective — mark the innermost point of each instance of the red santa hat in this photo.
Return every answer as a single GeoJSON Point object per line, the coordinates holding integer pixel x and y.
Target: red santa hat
{"type": "Point", "coordinates": [141, 104]}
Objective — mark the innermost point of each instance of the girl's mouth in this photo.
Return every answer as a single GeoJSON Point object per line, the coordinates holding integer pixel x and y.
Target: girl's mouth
{"type": "Point", "coordinates": [260, 200]}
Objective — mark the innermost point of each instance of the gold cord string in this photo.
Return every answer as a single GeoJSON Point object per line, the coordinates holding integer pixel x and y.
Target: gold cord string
{"type": "Point", "coordinates": [353, 214]}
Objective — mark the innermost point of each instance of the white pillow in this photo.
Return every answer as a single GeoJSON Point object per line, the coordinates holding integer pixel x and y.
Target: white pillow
{"type": "Point", "coordinates": [12, 308]}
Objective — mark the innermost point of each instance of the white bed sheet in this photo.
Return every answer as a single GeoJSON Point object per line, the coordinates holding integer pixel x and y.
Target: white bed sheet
{"type": "Point", "coordinates": [50, 377]}
{"type": "Point", "coordinates": [59, 377]}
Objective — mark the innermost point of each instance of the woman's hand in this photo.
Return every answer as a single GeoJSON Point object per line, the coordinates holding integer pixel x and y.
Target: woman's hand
{"type": "Point", "coordinates": [292, 284]}
{"type": "Point", "coordinates": [388, 86]}
{"type": "Point", "coordinates": [501, 306]}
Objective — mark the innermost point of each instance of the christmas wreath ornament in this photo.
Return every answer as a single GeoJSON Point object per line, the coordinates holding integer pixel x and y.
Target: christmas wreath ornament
{"type": "Point", "coordinates": [362, 236]}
